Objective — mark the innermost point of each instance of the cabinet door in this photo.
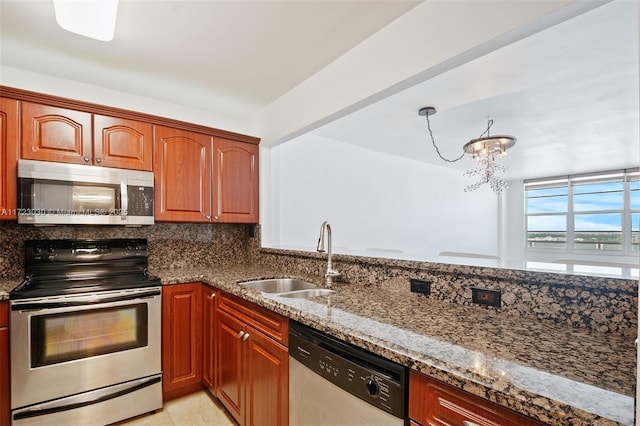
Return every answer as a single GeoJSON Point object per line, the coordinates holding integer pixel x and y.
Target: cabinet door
{"type": "Point", "coordinates": [210, 338]}
{"type": "Point", "coordinates": [230, 378]}
{"type": "Point", "coordinates": [435, 403]}
{"type": "Point", "coordinates": [182, 168]}
{"type": "Point", "coordinates": [122, 143]}
{"type": "Point", "coordinates": [8, 157]}
{"type": "Point", "coordinates": [5, 403]}
{"type": "Point", "coordinates": [236, 183]}
{"type": "Point", "coordinates": [55, 134]}
{"type": "Point", "coordinates": [181, 339]}
{"type": "Point", "coordinates": [267, 381]}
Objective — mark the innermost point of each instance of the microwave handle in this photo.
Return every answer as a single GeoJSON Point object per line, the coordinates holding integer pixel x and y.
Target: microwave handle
{"type": "Point", "coordinates": [124, 200]}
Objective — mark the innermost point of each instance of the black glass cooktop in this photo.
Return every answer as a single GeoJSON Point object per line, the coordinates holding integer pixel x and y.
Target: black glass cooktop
{"type": "Point", "coordinates": [65, 267]}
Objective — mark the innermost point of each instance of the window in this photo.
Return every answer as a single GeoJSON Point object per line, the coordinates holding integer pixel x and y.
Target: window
{"type": "Point", "coordinates": [595, 212]}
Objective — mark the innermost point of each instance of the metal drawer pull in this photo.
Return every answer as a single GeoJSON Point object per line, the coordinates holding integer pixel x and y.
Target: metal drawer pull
{"type": "Point", "coordinates": [245, 337]}
{"type": "Point", "coordinates": [240, 334]}
{"type": "Point", "coordinates": [212, 296]}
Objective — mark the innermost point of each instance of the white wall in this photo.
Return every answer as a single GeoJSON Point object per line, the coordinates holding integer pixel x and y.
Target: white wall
{"type": "Point", "coordinates": [55, 86]}
{"type": "Point", "coordinates": [373, 201]}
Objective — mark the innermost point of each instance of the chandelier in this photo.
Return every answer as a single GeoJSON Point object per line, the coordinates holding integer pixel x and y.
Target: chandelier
{"type": "Point", "coordinates": [486, 150]}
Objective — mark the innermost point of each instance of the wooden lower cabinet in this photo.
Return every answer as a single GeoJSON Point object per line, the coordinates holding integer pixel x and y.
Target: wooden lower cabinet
{"type": "Point", "coordinates": [434, 403]}
{"type": "Point", "coordinates": [209, 364]}
{"type": "Point", "coordinates": [252, 365]}
{"type": "Point", "coordinates": [181, 339]}
{"type": "Point", "coordinates": [231, 363]}
{"type": "Point", "coordinates": [5, 401]}
{"type": "Point", "coordinates": [267, 381]}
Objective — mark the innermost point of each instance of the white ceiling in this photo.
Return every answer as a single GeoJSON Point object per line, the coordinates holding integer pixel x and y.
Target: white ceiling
{"type": "Point", "coordinates": [569, 94]}
{"type": "Point", "coordinates": [231, 57]}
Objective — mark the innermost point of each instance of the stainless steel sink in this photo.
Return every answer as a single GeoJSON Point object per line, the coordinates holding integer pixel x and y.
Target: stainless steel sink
{"type": "Point", "coordinates": [303, 294]}
{"type": "Point", "coordinates": [278, 285]}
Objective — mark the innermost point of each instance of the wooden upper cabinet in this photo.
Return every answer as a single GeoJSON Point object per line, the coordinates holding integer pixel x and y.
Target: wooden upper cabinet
{"type": "Point", "coordinates": [236, 183]}
{"type": "Point", "coordinates": [122, 143]}
{"type": "Point", "coordinates": [9, 124]}
{"type": "Point", "coordinates": [69, 136]}
{"type": "Point", "coordinates": [182, 168]}
{"type": "Point", "coordinates": [56, 134]}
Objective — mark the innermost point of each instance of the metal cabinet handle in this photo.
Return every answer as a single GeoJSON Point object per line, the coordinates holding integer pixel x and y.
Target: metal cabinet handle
{"type": "Point", "coordinates": [98, 160]}
{"type": "Point", "coordinates": [468, 423]}
{"type": "Point", "coordinates": [212, 296]}
{"type": "Point", "coordinates": [240, 334]}
{"type": "Point", "coordinates": [86, 159]}
{"type": "Point", "coordinates": [216, 217]}
{"type": "Point", "coordinates": [208, 217]}
{"type": "Point", "coordinates": [245, 337]}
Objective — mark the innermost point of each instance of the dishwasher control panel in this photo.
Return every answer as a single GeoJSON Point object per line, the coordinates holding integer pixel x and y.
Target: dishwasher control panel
{"type": "Point", "coordinates": [376, 380]}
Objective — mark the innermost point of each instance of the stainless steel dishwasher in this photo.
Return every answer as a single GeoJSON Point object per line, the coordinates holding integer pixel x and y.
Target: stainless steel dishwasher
{"type": "Point", "coordinates": [334, 383]}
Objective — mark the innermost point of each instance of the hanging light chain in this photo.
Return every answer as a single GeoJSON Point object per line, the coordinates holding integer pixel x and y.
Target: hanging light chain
{"type": "Point", "coordinates": [433, 141]}
{"type": "Point", "coordinates": [486, 132]}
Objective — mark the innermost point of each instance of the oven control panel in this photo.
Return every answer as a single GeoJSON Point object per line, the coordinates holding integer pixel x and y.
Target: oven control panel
{"type": "Point", "coordinates": [53, 251]}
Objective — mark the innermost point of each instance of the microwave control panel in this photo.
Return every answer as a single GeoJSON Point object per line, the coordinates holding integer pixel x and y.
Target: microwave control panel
{"type": "Point", "coordinates": [140, 200]}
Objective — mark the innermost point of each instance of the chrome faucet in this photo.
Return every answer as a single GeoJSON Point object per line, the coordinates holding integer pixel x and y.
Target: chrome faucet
{"type": "Point", "coordinates": [331, 273]}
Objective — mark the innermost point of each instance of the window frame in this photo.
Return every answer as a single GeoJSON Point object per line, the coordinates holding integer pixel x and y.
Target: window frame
{"type": "Point", "coordinates": [626, 176]}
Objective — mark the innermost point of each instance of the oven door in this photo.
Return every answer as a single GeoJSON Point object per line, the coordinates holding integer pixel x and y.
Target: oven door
{"type": "Point", "coordinates": [66, 345]}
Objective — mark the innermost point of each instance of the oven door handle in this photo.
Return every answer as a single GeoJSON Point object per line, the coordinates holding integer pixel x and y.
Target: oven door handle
{"type": "Point", "coordinates": [54, 305]}
{"type": "Point", "coordinates": [76, 402]}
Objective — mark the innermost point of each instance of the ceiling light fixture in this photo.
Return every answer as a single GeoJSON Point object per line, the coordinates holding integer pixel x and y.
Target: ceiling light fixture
{"type": "Point", "coordinates": [485, 149]}
{"type": "Point", "coordinates": [90, 18]}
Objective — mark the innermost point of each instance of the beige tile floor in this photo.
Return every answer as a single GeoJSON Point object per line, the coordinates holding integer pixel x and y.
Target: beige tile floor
{"type": "Point", "coordinates": [197, 409]}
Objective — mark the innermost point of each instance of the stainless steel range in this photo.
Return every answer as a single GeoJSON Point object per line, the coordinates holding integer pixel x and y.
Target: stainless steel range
{"type": "Point", "coordinates": [85, 334]}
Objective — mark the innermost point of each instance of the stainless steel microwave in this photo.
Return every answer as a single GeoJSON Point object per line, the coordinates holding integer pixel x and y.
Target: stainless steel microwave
{"type": "Point", "coordinates": [73, 194]}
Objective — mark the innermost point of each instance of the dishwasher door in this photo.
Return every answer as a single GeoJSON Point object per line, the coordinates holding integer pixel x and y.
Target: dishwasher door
{"type": "Point", "coordinates": [334, 383]}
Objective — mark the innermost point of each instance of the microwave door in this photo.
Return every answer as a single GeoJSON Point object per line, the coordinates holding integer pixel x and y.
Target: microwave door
{"type": "Point", "coordinates": [95, 199]}
{"type": "Point", "coordinates": [51, 196]}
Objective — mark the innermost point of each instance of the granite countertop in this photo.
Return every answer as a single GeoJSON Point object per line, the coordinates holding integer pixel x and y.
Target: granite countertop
{"type": "Point", "coordinates": [554, 373]}
{"type": "Point", "coordinates": [6, 285]}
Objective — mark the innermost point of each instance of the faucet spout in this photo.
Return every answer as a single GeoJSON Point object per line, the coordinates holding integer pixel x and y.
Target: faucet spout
{"type": "Point", "coordinates": [330, 273]}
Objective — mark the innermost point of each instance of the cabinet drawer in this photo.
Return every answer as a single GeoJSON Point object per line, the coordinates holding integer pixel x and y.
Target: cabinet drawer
{"type": "Point", "coordinates": [273, 325]}
{"type": "Point", "coordinates": [435, 403]}
{"type": "Point", "coordinates": [4, 314]}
